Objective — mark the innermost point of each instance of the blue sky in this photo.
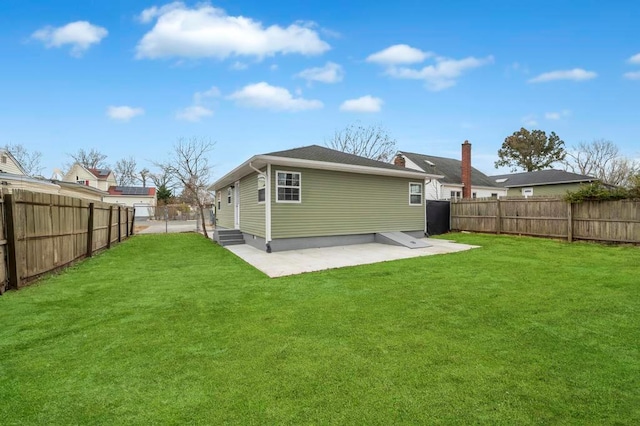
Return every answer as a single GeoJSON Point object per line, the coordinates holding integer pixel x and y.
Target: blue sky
{"type": "Point", "coordinates": [131, 77]}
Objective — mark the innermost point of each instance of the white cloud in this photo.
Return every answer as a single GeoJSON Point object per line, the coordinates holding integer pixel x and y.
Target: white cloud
{"type": "Point", "coordinates": [198, 97]}
{"type": "Point", "coordinates": [443, 74]}
{"type": "Point", "coordinates": [557, 115]}
{"type": "Point", "coordinates": [123, 113]}
{"type": "Point", "coordinates": [635, 59]}
{"type": "Point", "coordinates": [273, 67]}
{"type": "Point", "coordinates": [207, 31]}
{"type": "Point", "coordinates": [239, 66]}
{"type": "Point", "coordinates": [194, 113]}
{"type": "Point", "coordinates": [399, 54]}
{"type": "Point", "coordinates": [364, 104]}
{"type": "Point", "coordinates": [80, 35]}
{"type": "Point", "coordinates": [263, 95]}
{"type": "Point", "coordinates": [576, 74]}
{"type": "Point", "coordinates": [632, 75]}
{"type": "Point", "coordinates": [529, 120]}
{"type": "Point", "coordinates": [330, 73]}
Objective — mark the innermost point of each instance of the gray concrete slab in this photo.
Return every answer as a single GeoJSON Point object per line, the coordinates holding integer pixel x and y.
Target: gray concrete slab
{"type": "Point", "coordinates": [317, 259]}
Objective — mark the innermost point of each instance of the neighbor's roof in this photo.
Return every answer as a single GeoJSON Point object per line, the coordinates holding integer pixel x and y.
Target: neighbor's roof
{"type": "Point", "coordinates": [14, 159]}
{"type": "Point", "coordinates": [132, 190]}
{"type": "Point", "coordinates": [450, 168]}
{"type": "Point", "coordinates": [100, 173]}
{"type": "Point", "coordinates": [540, 177]}
{"type": "Point", "coordinates": [318, 157]}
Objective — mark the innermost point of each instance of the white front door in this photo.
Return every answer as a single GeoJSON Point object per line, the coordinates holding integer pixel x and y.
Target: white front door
{"type": "Point", "coordinates": [236, 205]}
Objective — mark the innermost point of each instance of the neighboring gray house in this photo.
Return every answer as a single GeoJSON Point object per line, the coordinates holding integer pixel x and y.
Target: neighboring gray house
{"type": "Point", "coordinates": [315, 196]}
{"type": "Point", "coordinates": [542, 182]}
{"type": "Point", "coordinates": [450, 186]}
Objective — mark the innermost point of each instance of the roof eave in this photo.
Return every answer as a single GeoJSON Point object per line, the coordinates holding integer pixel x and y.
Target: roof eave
{"type": "Point", "coordinates": [259, 161]}
{"type": "Point", "coordinates": [519, 185]}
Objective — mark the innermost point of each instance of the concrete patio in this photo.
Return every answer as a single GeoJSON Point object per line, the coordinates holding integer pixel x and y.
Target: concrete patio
{"type": "Point", "coordinates": [294, 262]}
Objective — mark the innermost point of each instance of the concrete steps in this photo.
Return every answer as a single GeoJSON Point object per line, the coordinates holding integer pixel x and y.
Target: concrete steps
{"type": "Point", "coordinates": [229, 237]}
{"type": "Point", "coordinates": [400, 239]}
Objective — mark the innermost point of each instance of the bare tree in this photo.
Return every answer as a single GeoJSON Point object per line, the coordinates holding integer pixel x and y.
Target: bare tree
{"type": "Point", "coordinates": [163, 178]}
{"type": "Point", "coordinates": [144, 175]}
{"type": "Point", "coordinates": [371, 142]}
{"type": "Point", "coordinates": [29, 160]}
{"type": "Point", "coordinates": [92, 159]}
{"type": "Point", "coordinates": [125, 172]}
{"type": "Point", "coordinates": [601, 158]}
{"type": "Point", "coordinates": [189, 165]}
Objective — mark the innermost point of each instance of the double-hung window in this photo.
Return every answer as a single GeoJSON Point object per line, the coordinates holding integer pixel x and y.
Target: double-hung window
{"type": "Point", "coordinates": [261, 189]}
{"type": "Point", "coordinates": [288, 186]}
{"type": "Point", "coordinates": [415, 194]}
{"type": "Point", "coordinates": [229, 192]}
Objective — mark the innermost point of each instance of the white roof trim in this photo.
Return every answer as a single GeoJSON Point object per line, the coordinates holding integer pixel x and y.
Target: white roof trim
{"type": "Point", "coordinates": [259, 161]}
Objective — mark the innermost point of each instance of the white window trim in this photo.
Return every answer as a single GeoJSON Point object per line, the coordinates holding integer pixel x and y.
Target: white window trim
{"type": "Point", "coordinates": [526, 190]}
{"type": "Point", "coordinates": [229, 196]}
{"type": "Point", "coordinates": [263, 188]}
{"type": "Point", "coordinates": [421, 193]}
{"type": "Point", "coordinates": [283, 186]}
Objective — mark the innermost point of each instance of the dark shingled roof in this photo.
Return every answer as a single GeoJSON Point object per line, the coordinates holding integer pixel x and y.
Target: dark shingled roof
{"type": "Point", "coordinates": [450, 168]}
{"type": "Point", "coordinates": [541, 177]}
{"type": "Point", "coordinates": [320, 153]}
{"type": "Point", "coordinates": [100, 173]}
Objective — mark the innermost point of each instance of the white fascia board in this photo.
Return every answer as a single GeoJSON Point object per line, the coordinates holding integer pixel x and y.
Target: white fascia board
{"type": "Point", "coordinates": [259, 161]}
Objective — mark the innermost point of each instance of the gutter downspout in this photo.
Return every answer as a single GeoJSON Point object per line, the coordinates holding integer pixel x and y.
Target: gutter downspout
{"type": "Point", "coordinates": [267, 201]}
{"type": "Point", "coordinates": [425, 207]}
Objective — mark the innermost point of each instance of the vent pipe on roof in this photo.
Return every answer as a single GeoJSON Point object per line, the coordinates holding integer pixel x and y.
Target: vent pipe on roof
{"type": "Point", "coordinates": [466, 170]}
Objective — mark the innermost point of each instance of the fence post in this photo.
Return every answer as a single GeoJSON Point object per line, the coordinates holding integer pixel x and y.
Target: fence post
{"type": "Point", "coordinates": [12, 243]}
{"type": "Point", "coordinates": [498, 217]}
{"type": "Point", "coordinates": [110, 228]}
{"type": "Point", "coordinates": [126, 228]}
{"type": "Point", "coordinates": [570, 221]}
{"type": "Point", "coordinates": [133, 220]}
{"type": "Point", "coordinates": [119, 224]}
{"type": "Point", "coordinates": [90, 231]}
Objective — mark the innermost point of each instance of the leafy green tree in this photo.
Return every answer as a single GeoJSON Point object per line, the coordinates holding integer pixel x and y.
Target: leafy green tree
{"type": "Point", "coordinates": [530, 150]}
{"type": "Point", "coordinates": [164, 194]}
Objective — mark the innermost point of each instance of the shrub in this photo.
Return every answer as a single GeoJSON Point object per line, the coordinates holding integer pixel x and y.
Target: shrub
{"type": "Point", "coordinates": [598, 192]}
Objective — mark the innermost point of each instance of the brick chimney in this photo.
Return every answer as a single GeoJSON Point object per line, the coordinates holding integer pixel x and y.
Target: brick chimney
{"type": "Point", "coordinates": [466, 170]}
{"type": "Point", "coordinates": [399, 160]}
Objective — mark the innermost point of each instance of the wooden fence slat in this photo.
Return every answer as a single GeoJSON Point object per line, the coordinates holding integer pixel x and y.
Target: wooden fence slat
{"type": "Point", "coordinates": [110, 227]}
{"type": "Point", "coordinates": [90, 231]}
{"type": "Point", "coordinates": [12, 258]}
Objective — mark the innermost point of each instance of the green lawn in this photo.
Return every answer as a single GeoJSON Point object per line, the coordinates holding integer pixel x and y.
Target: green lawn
{"type": "Point", "coordinates": [172, 329]}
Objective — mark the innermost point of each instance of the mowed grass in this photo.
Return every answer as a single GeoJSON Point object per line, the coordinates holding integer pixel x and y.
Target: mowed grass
{"type": "Point", "coordinates": [172, 329]}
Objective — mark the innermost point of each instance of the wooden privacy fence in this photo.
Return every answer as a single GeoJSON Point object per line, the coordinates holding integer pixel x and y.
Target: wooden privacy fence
{"type": "Point", "coordinates": [45, 232]}
{"type": "Point", "coordinates": [614, 221]}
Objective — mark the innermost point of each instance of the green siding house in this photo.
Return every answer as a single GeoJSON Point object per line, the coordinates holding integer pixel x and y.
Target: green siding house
{"type": "Point", "coordinates": [316, 197]}
{"type": "Point", "coordinates": [541, 183]}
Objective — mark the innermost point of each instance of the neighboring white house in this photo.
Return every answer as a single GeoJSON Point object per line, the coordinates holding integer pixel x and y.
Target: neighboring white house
{"type": "Point", "coordinates": [9, 164]}
{"type": "Point", "coordinates": [143, 199]}
{"type": "Point", "coordinates": [101, 184]}
{"type": "Point", "coordinates": [96, 178]}
{"type": "Point", "coordinates": [450, 186]}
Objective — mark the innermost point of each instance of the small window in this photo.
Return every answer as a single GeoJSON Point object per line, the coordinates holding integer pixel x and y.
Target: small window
{"type": "Point", "coordinates": [219, 199]}
{"type": "Point", "coordinates": [261, 189]}
{"type": "Point", "coordinates": [474, 195]}
{"type": "Point", "coordinates": [415, 194]}
{"type": "Point", "coordinates": [229, 192]}
{"type": "Point", "coordinates": [527, 192]}
{"type": "Point", "coordinates": [456, 194]}
{"type": "Point", "coordinates": [288, 187]}
{"type": "Point", "coordinates": [494, 195]}
{"type": "Point", "coordinates": [4, 159]}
